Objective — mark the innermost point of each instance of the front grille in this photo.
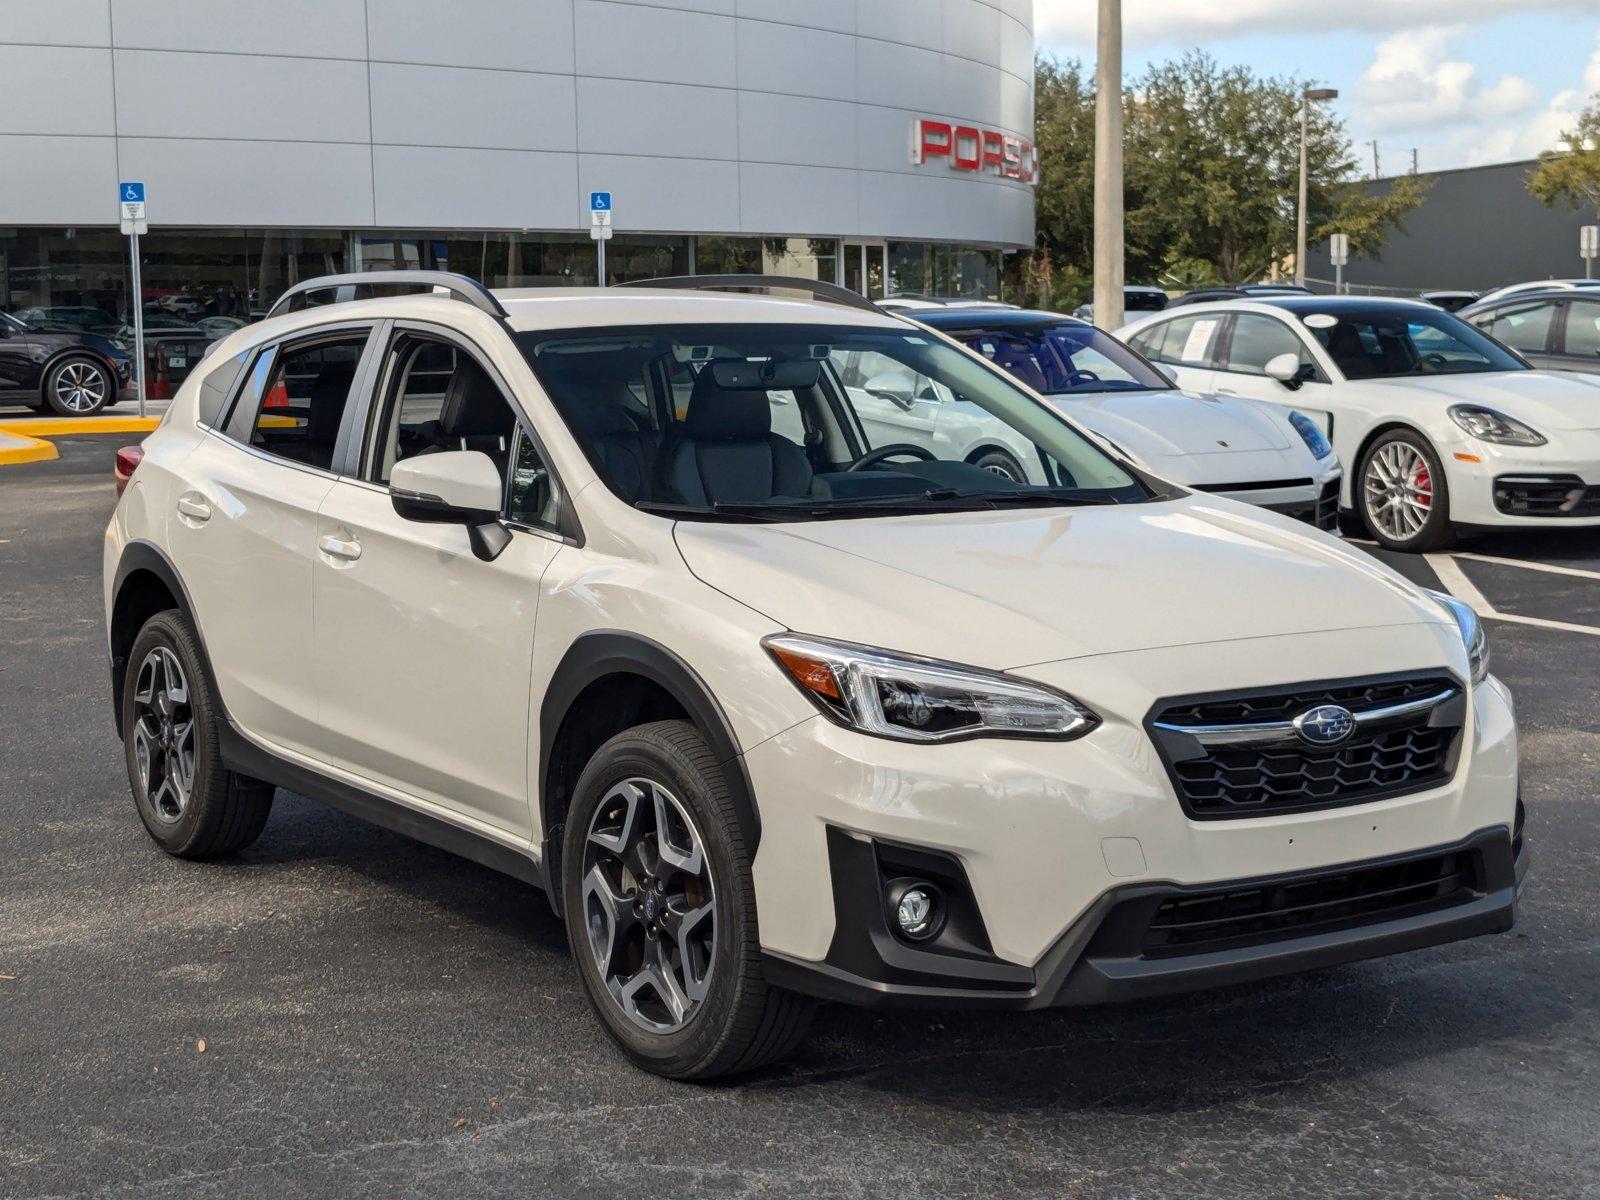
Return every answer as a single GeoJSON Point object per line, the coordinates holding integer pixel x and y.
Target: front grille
{"type": "Point", "coordinates": [1238, 755]}
{"type": "Point", "coordinates": [1546, 496]}
{"type": "Point", "coordinates": [1203, 922]}
{"type": "Point", "coordinates": [1327, 514]}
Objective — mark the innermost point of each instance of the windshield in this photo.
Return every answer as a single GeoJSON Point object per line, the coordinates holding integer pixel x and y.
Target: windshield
{"type": "Point", "coordinates": [1063, 359]}
{"type": "Point", "coordinates": [811, 422]}
{"type": "Point", "coordinates": [1382, 343]}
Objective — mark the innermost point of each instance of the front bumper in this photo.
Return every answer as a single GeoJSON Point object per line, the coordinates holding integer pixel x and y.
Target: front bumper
{"type": "Point", "coordinates": [1056, 843]}
{"type": "Point", "coordinates": [1552, 485]}
{"type": "Point", "coordinates": [1314, 501]}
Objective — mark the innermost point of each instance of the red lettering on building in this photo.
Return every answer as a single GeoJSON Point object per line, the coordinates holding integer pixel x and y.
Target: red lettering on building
{"type": "Point", "coordinates": [971, 148]}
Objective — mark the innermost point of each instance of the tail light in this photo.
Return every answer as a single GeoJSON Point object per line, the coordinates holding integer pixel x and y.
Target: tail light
{"type": "Point", "coordinates": [128, 460]}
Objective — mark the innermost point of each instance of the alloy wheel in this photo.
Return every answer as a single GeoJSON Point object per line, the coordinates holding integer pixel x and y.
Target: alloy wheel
{"type": "Point", "coordinates": [163, 735]}
{"type": "Point", "coordinates": [80, 387]}
{"type": "Point", "coordinates": [1398, 490]}
{"type": "Point", "coordinates": [649, 905]}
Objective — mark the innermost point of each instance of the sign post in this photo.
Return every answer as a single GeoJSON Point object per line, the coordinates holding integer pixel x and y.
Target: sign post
{"type": "Point", "coordinates": [600, 230]}
{"type": "Point", "coordinates": [1589, 247]}
{"type": "Point", "coordinates": [1339, 255]}
{"type": "Point", "coordinates": [130, 202]}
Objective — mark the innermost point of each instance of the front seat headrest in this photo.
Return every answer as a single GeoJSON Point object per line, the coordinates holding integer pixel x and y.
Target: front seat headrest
{"type": "Point", "coordinates": [472, 405]}
{"type": "Point", "coordinates": [719, 414]}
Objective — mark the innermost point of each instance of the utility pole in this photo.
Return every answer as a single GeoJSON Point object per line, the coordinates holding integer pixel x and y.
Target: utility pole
{"type": "Point", "coordinates": [1108, 198]}
{"type": "Point", "coordinates": [1377, 171]}
{"type": "Point", "coordinates": [1306, 97]}
{"type": "Point", "coordinates": [1413, 160]}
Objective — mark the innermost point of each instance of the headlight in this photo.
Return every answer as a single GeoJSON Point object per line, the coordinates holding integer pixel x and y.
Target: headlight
{"type": "Point", "coordinates": [920, 700]}
{"type": "Point", "coordinates": [1472, 633]}
{"type": "Point", "coordinates": [1489, 426]}
{"type": "Point", "coordinates": [1310, 434]}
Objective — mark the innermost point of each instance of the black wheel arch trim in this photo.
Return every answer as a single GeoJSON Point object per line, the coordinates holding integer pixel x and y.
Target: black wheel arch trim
{"type": "Point", "coordinates": [598, 653]}
{"type": "Point", "coordinates": [140, 555]}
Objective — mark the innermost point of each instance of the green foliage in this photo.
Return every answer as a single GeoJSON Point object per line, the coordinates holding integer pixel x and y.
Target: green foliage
{"type": "Point", "coordinates": [1212, 159]}
{"type": "Point", "coordinates": [1572, 174]}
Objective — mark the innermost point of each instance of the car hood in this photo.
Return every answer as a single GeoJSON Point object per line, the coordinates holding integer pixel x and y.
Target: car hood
{"type": "Point", "coordinates": [1008, 588]}
{"type": "Point", "coordinates": [1166, 424]}
{"type": "Point", "coordinates": [1543, 399]}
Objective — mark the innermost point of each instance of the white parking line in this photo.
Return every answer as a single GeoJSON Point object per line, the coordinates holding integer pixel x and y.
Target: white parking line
{"type": "Point", "coordinates": [1550, 568]}
{"type": "Point", "coordinates": [1455, 582]}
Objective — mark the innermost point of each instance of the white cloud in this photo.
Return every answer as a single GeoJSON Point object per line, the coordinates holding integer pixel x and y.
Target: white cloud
{"type": "Point", "coordinates": [1542, 131]}
{"type": "Point", "coordinates": [1070, 24]}
{"type": "Point", "coordinates": [1412, 84]}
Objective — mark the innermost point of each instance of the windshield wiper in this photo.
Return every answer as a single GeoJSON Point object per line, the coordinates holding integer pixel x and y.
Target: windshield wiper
{"type": "Point", "coordinates": [1042, 495]}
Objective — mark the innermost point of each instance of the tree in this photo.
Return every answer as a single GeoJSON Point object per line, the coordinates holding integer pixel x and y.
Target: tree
{"type": "Point", "coordinates": [1212, 169]}
{"type": "Point", "coordinates": [1573, 174]}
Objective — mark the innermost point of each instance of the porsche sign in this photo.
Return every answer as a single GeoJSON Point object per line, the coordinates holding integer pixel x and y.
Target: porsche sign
{"type": "Point", "coordinates": [974, 149]}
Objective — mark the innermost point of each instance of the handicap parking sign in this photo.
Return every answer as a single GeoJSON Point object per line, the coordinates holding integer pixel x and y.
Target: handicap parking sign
{"type": "Point", "coordinates": [599, 201]}
{"type": "Point", "coordinates": [132, 193]}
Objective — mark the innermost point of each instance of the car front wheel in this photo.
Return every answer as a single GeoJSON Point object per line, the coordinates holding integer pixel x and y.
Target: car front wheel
{"type": "Point", "coordinates": [77, 387]}
{"type": "Point", "coordinates": [1403, 497]}
{"type": "Point", "coordinates": [998, 462]}
{"type": "Point", "coordinates": [660, 910]}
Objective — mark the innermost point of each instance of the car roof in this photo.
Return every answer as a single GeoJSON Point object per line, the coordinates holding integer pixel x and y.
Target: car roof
{"type": "Point", "coordinates": [947, 319]}
{"type": "Point", "coordinates": [1336, 304]}
{"type": "Point", "coordinates": [581, 308]}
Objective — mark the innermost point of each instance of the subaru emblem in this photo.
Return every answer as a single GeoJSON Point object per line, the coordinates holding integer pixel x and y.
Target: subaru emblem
{"type": "Point", "coordinates": [1325, 725]}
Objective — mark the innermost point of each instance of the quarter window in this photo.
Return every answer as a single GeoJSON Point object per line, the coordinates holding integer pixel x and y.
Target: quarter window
{"type": "Point", "coordinates": [216, 386]}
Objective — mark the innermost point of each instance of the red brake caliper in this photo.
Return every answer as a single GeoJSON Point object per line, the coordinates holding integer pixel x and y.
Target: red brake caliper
{"type": "Point", "coordinates": [1423, 482]}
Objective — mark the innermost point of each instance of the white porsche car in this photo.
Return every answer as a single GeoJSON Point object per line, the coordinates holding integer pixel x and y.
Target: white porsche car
{"type": "Point", "coordinates": [1236, 448]}
{"type": "Point", "coordinates": [1444, 427]}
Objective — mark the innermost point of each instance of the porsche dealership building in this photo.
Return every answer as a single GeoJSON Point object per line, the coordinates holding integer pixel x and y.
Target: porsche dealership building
{"type": "Point", "coordinates": [883, 144]}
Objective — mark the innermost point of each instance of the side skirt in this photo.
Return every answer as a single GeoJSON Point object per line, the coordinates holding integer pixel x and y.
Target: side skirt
{"type": "Point", "coordinates": [244, 756]}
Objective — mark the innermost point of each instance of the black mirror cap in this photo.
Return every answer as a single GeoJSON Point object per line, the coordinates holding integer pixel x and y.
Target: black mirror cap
{"type": "Point", "coordinates": [431, 510]}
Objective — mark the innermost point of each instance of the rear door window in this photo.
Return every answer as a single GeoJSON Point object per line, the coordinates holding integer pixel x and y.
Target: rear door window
{"type": "Point", "coordinates": [294, 402]}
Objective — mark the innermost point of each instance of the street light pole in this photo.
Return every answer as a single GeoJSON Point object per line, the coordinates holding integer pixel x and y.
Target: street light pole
{"type": "Point", "coordinates": [1108, 199]}
{"type": "Point", "coordinates": [1306, 97]}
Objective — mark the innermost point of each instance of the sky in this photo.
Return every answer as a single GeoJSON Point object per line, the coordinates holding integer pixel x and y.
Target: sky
{"type": "Point", "coordinates": [1461, 82]}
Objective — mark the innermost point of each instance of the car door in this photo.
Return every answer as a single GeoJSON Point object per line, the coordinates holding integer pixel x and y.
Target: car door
{"type": "Point", "coordinates": [243, 529]}
{"type": "Point", "coordinates": [1528, 327]}
{"type": "Point", "coordinates": [1252, 340]}
{"type": "Point", "coordinates": [18, 366]}
{"type": "Point", "coordinates": [424, 651]}
{"type": "Point", "coordinates": [1579, 332]}
{"type": "Point", "coordinates": [1185, 344]}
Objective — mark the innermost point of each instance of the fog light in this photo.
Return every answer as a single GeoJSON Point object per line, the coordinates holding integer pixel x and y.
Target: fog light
{"type": "Point", "coordinates": [916, 911]}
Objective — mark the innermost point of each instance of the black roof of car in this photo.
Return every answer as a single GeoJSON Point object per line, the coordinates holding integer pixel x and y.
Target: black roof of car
{"type": "Point", "coordinates": [1582, 295]}
{"type": "Point", "coordinates": [947, 319]}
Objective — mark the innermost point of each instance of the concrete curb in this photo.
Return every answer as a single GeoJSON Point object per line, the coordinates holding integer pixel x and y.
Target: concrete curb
{"type": "Point", "coordinates": [17, 449]}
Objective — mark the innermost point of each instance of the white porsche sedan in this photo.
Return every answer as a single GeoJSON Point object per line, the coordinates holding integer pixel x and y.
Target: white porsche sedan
{"type": "Point", "coordinates": [1443, 427]}
{"type": "Point", "coordinates": [1225, 446]}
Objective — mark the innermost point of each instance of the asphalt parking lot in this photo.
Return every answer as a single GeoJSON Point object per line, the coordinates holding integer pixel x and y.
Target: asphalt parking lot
{"type": "Point", "coordinates": [378, 1017]}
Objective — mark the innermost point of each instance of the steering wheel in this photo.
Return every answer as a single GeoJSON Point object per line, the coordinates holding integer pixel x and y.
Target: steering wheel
{"type": "Point", "coordinates": [1434, 359]}
{"type": "Point", "coordinates": [873, 457]}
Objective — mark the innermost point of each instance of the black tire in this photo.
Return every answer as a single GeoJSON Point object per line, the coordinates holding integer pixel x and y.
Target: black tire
{"type": "Point", "coordinates": [223, 811]}
{"type": "Point", "coordinates": [79, 386]}
{"type": "Point", "coordinates": [1001, 463]}
{"type": "Point", "coordinates": [1351, 524]}
{"type": "Point", "coordinates": [1435, 531]}
{"type": "Point", "coordinates": [742, 1022]}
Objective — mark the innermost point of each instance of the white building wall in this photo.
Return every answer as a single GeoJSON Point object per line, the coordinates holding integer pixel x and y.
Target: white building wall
{"type": "Point", "coordinates": [704, 116]}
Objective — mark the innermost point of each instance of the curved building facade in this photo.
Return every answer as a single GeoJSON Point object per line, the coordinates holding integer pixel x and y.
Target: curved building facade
{"type": "Point", "coordinates": [880, 143]}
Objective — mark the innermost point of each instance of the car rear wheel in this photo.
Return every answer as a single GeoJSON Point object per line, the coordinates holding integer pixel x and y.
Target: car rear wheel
{"type": "Point", "coordinates": [1403, 497]}
{"type": "Point", "coordinates": [191, 804]}
{"type": "Point", "coordinates": [660, 910]}
{"type": "Point", "coordinates": [77, 387]}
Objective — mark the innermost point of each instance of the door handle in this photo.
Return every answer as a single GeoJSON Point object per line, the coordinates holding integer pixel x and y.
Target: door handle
{"type": "Point", "coordinates": [194, 506]}
{"type": "Point", "coordinates": [339, 548]}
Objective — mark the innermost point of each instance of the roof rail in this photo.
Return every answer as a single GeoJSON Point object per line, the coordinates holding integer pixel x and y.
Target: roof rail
{"type": "Point", "coordinates": [819, 290]}
{"type": "Point", "coordinates": [347, 287]}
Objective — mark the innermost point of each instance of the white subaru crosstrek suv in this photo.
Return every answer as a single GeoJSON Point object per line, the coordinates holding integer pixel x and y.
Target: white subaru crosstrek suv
{"type": "Point", "coordinates": [612, 591]}
{"type": "Point", "coordinates": [1442, 427]}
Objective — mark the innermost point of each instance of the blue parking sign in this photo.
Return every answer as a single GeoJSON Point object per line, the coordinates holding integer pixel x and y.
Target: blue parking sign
{"type": "Point", "coordinates": [598, 201]}
{"type": "Point", "coordinates": [130, 193]}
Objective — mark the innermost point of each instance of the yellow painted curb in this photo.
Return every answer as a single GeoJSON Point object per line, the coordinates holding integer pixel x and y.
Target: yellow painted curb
{"type": "Point", "coordinates": [30, 450]}
{"type": "Point", "coordinates": [72, 426]}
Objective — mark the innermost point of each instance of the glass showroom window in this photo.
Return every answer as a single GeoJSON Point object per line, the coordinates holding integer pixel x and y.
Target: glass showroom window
{"type": "Point", "coordinates": [83, 269]}
{"type": "Point", "coordinates": [236, 274]}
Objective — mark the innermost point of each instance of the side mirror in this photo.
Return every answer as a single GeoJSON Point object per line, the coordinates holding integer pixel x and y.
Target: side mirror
{"type": "Point", "coordinates": [898, 389]}
{"type": "Point", "coordinates": [1285, 368]}
{"type": "Point", "coordinates": [1167, 372]}
{"type": "Point", "coordinates": [453, 487]}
